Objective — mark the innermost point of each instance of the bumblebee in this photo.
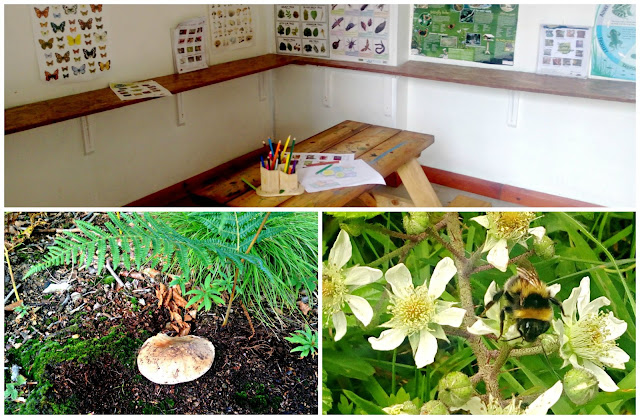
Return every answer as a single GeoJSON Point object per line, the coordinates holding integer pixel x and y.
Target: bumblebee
{"type": "Point", "coordinates": [528, 301]}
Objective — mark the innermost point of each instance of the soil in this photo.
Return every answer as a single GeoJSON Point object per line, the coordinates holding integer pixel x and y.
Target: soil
{"type": "Point", "coordinates": [250, 375]}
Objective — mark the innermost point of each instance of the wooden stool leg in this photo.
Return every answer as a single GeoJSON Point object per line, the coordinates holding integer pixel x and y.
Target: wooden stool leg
{"type": "Point", "coordinates": [417, 184]}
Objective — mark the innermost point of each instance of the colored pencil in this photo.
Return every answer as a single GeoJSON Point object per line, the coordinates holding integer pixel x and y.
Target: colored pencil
{"type": "Point", "coordinates": [323, 163]}
{"type": "Point", "coordinates": [323, 169]}
{"type": "Point", "coordinates": [286, 144]}
{"type": "Point", "coordinates": [275, 156]}
{"type": "Point", "coordinates": [293, 143]}
{"type": "Point", "coordinates": [262, 161]}
{"type": "Point", "coordinates": [270, 145]}
{"type": "Point", "coordinates": [250, 185]}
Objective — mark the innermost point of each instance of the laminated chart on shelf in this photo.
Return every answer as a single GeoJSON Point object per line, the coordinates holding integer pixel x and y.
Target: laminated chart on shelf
{"type": "Point", "coordinates": [564, 50]}
{"type": "Point", "coordinates": [484, 33]}
{"type": "Point", "coordinates": [71, 41]}
{"type": "Point", "coordinates": [302, 29]}
{"type": "Point", "coordinates": [614, 42]}
{"type": "Point", "coordinates": [360, 32]}
{"type": "Point", "coordinates": [189, 45]}
{"type": "Point", "coordinates": [231, 26]}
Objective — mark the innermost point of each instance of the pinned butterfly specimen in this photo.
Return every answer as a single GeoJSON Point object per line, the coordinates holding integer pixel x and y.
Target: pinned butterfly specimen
{"type": "Point", "coordinates": [87, 35]}
{"type": "Point", "coordinates": [87, 42]}
{"type": "Point", "coordinates": [41, 13]}
{"type": "Point", "coordinates": [92, 63]}
{"type": "Point", "coordinates": [65, 68]}
{"type": "Point", "coordinates": [85, 25]}
{"type": "Point", "coordinates": [50, 76]}
{"type": "Point", "coordinates": [49, 63]}
{"type": "Point", "coordinates": [99, 26]}
{"type": "Point", "coordinates": [63, 58]}
{"type": "Point", "coordinates": [60, 39]}
{"type": "Point", "coordinates": [76, 51]}
{"type": "Point", "coordinates": [60, 46]}
{"type": "Point", "coordinates": [100, 37]}
{"type": "Point", "coordinates": [59, 27]}
{"type": "Point", "coordinates": [102, 47]}
{"type": "Point", "coordinates": [66, 76]}
{"type": "Point", "coordinates": [78, 70]}
{"type": "Point", "coordinates": [56, 7]}
{"type": "Point", "coordinates": [49, 55]}
{"type": "Point", "coordinates": [91, 53]}
{"type": "Point", "coordinates": [96, 7]}
{"type": "Point", "coordinates": [73, 41]}
{"type": "Point", "coordinates": [70, 10]}
{"type": "Point", "coordinates": [103, 55]}
{"type": "Point", "coordinates": [84, 13]}
{"type": "Point", "coordinates": [57, 15]}
{"type": "Point", "coordinates": [72, 22]}
{"type": "Point", "coordinates": [77, 58]}
{"type": "Point", "coordinates": [104, 66]}
{"type": "Point", "coordinates": [73, 29]}
{"type": "Point", "coordinates": [44, 33]}
{"type": "Point", "coordinates": [92, 71]}
{"type": "Point", "coordinates": [44, 24]}
{"type": "Point", "coordinates": [46, 44]}
{"type": "Point", "coordinates": [99, 19]}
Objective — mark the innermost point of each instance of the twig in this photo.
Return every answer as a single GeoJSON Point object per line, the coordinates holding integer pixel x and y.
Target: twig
{"type": "Point", "coordinates": [6, 300]}
{"type": "Point", "coordinates": [13, 281]}
{"type": "Point", "coordinates": [77, 308]}
{"type": "Point", "coordinates": [246, 313]}
{"type": "Point", "coordinates": [113, 274]}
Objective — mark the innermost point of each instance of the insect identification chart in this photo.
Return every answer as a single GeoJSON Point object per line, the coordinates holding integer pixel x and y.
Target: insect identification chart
{"type": "Point", "coordinates": [302, 29]}
{"type": "Point", "coordinates": [360, 32]}
{"type": "Point", "coordinates": [71, 41]}
{"type": "Point", "coordinates": [139, 90]}
{"type": "Point", "coordinates": [564, 50]}
{"type": "Point", "coordinates": [189, 45]}
{"type": "Point", "coordinates": [614, 42]}
{"type": "Point", "coordinates": [231, 26]}
{"type": "Point", "coordinates": [484, 33]}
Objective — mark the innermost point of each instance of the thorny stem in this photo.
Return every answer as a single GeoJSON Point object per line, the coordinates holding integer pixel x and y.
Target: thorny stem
{"type": "Point", "coordinates": [380, 229]}
{"type": "Point", "coordinates": [399, 252]}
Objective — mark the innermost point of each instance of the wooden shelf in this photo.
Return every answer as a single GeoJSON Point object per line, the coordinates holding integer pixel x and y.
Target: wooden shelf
{"type": "Point", "coordinates": [25, 117]}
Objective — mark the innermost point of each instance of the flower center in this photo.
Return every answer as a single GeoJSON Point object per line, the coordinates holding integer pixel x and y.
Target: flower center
{"type": "Point", "coordinates": [495, 408]}
{"type": "Point", "coordinates": [589, 337]}
{"type": "Point", "coordinates": [510, 225]}
{"type": "Point", "coordinates": [414, 312]}
{"type": "Point", "coordinates": [333, 289]}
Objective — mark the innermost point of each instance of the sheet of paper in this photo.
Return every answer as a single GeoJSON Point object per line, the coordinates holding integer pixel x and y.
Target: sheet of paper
{"type": "Point", "coordinates": [340, 175]}
{"type": "Point", "coordinates": [231, 26]}
{"type": "Point", "coordinates": [564, 50]}
{"type": "Point", "coordinates": [189, 45]}
{"type": "Point", "coordinates": [139, 90]}
{"type": "Point", "coordinates": [316, 159]}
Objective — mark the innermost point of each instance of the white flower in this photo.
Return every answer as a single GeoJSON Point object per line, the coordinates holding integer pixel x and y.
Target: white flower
{"type": "Point", "coordinates": [417, 312]}
{"type": "Point", "coordinates": [505, 229]}
{"type": "Point", "coordinates": [406, 408]}
{"type": "Point", "coordinates": [338, 283]}
{"type": "Point", "coordinates": [491, 324]}
{"type": "Point", "coordinates": [588, 337]}
{"type": "Point", "coordinates": [540, 406]}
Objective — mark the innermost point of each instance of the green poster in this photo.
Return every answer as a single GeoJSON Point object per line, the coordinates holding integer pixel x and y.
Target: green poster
{"type": "Point", "coordinates": [483, 33]}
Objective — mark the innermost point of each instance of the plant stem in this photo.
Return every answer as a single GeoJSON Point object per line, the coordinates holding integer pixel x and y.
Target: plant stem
{"type": "Point", "coordinates": [511, 261]}
{"type": "Point", "coordinates": [235, 277]}
{"type": "Point", "coordinates": [399, 252]}
{"type": "Point", "coordinates": [13, 281]}
{"type": "Point", "coordinates": [393, 372]}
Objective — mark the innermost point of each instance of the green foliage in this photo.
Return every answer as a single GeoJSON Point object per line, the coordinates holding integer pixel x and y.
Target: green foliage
{"type": "Point", "coordinates": [208, 295]}
{"type": "Point", "coordinates": [11, 391]}
{"type": "Point", "coordinates": [307, 341]}
{"type": "Point", "coordinates": [22, 310]}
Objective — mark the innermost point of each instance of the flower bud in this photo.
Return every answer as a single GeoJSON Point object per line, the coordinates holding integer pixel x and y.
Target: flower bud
{"type": "Point", "coordinates": [455, 389]}
{"type": "Point", "coordinates": [406, 408]}
{"type": "Point", "coordinates": [415, 222]}
{"type": "Point", "coordinates": [434, 407]}
{"type": "Point", "coordinates": [544, 247]}
{"type": "Point", "coordinates": [580, 386]}
{"type": "Point", "coordinates": [353, 228]}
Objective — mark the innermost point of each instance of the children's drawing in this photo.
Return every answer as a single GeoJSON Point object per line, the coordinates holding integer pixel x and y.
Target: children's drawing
{"type": "Point", "coordinates": [339, 175]}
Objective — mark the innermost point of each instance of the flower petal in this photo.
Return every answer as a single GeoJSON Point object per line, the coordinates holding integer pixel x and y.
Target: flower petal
{"type": "Point", "coordinates": [537, 232]}
{"type": "Point", "coordinates": [584, 296]}
{"type": "Point", "coordinates": [341, 251]}
{"type": "Point", "coordinates": [361, 275]}
{"type": "Point", "coordinates": [414, 341]}
{"type": "Point", "coordinates": [340, 323]}
{"type": "Point", "coordinates": [569, 306]}
{"type": "Point", "coordinates": [604, 381]}
{"type": "Point", "coordinates": [482, 328]}
{"type": "Point", "coordinates": [491, 291]}
{"type": "Point", "coordinates": [450, 317]}
{"type": "Point", "coordinates": [615, 326]}
{"type": "Point", "coordinates": [615, 358]}
{"type": "Point", "coordinates": [388, 340]}
{"type": "Point", "coordinates": [400, 279]}
{"type": "Point", "coordinates": [499, 256]}
{"type": "Point", "coordinates": [490, 242]}
{"type": "Point", "coordinates": [360, 307]}
{"type": "Point", "coordinates": [475, 406]}
{"type": "Point", "coordinates": [427, 349]}
{"type": "Point", "coordinates": [438, 332]}
{"type": "Point", "coordinates": [554, 289]}
{"type": "Point", "coordinates": [545, 401]}
{"type": "Point", "coordinates": [483, 220]}
{"type": "Point", "coordinates": [442, 274]}
{"type": "Point", "coordinates": [594, 306]}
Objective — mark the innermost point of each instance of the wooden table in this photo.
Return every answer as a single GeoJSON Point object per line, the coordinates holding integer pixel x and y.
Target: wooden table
{"type": "Point", "coordinates": [387, 150]}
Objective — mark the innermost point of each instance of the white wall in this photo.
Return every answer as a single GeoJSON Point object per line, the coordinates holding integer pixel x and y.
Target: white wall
{"type": "Point", "coordinates": [139, 148]}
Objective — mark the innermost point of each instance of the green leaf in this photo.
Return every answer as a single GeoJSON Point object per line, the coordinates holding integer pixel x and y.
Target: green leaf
{"type": "Point", "coordinates": [604, 397]}
{"type": "Point", "coordinates": [342, 364]}
{"type": "Point", "coordinates": [365, 405]}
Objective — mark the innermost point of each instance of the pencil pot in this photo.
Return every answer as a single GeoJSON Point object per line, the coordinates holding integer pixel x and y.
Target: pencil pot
{"type": "Point", "coordinates": [269, 181]}
{"type": "Point", "coordinates": [288, 182]}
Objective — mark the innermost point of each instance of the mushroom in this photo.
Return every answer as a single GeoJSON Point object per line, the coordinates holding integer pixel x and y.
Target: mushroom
{"type": "Point", "coordinates": [172, 360]}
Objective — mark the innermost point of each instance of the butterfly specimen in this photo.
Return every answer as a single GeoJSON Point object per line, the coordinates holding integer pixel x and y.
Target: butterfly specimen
{"type": "Point", "coordinates": [46, 44]}
{"type": "Point", "coordinates": [99, 19]}
{"type": "Point", "coordinates": [105, 66]}
{"type": "Point", "coordinates": [77, 58]}
{"type": "Point", "coordinates": [64, 57]}
{"type": "Point", "coordinates": [76, 40]}
{"type": "Point", "coordinates": [57, 15]}
{"type": "Point", "coordinates": [89, 53]}
{"type": "Point", "coordinates": [92, 63]}
{"type": "Point", "coordinates": [72, 22]}
{"type": "Point", "coordinates": [78, 70]}
{"type": "Point", "coordinates": [41, 13]}
{"type": "Point", "coordinates": [100, 37]}
{"type": "Point", "coordinates": [70, 10]}
{"type": "Point", "coordinates": [49, 55]}
{"type": "Point", "coordinates": [99, 26]}
{"type": "Point", "coordinates": [87, 42]}
{"type": "Point", "coordinates": [50, 76]}
{"type": "Point", "coordinates": [84, 13]}
{"type": "Point", "coordinates": [87, 35]}
{"type": "Point", "coordinates": [60, 39]}
{"type": "Point", "coordinates": [60, 46]}
{"type": "Point", "coordinates": [85, 25]}
{"type": "Point", "coordinates": [66, 76]}
{"type": "Point", "coordinates": [73, 29]}
{"type": "Point", "coordinates": [58, 28]}
{"type": "Point", "coordinates": [49, 63]}
{"type": "Point", "coordinates": [96, 7]}
{"type": "Point", "coordinates": [44, 33]}
{"type": "Point", "coordinates": [92, 71]}
{"type": "Point", "coordinates": [103, 55]}
{"type": "Point", "coordinates": [102, 47]}
{"type": "Point", "coordinates": [65, 68]}
{"type": "Point", "coordinates": [76, 51]}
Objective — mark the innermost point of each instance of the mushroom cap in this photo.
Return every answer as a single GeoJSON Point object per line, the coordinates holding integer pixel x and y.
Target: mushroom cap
{"type": "Point", "coordinates": [172, 360]}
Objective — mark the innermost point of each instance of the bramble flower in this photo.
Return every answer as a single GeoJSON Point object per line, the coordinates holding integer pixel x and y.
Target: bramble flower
{"type": "Point", "coordinates": [417, 312]}
{"type": "Point", "coordinates": [540, 406]}
{"type": "Point", "coordinates": [338, 283]}
{"type": "Point", "coordinates": [588, 337]}
{"type": "Point", "coordinates": [406, 408]}
{"type": "Point", "coordinates": [505, 229]}
{"type": "Point", "coordinates": [491, 324]}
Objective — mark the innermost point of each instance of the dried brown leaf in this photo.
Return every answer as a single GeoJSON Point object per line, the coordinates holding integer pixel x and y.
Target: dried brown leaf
{"type": "Point", "coordinates": [181, 302]}
{"type": "Point", "coordinates": [159, 294]}
{"type": "Point", "coordinates": [167, 297]}
{"type": "Point", "coordinates": [136, 275]}
{"type": "Point", "coordinates": [151, 272]}
{"type": "Point", "coordinates": [12, 306]}
{"type": "Point", "coordinates": [184, 331]}
{"type": "Point", "coordinates": [303, 307]}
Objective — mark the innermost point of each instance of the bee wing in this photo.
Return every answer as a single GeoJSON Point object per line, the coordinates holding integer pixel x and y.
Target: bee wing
{"type": "Point", "coordinates": [529, 276]}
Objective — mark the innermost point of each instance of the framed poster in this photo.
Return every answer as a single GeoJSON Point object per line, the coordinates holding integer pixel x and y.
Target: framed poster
{"type": "Point", "coordinates": [614, 42]}
{"type": "Point", "coordinates": [564, 50]}
{"type": "Point", "coordinates": [483, 33]}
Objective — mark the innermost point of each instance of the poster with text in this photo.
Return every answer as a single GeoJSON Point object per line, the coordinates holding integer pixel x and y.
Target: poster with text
{"type": "Point", "coordinates": [230, 26]}
{"type": "Point", "coordinates": [483, 33]}
{"type": "Point", "coordinates": [360, 32]}
{"type": "Point", "coordinates": [189, 52]}
{"type": "Point", "coordinates": [71, 41]}
{"type": "Point", "coordinates": [564, 50]}
{"type": "Point", "coordinates": [614, 42]}
{"type": "Point", "coordinates": [302, 29]}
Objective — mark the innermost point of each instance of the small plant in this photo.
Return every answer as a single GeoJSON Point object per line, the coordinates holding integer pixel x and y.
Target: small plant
{"type": "Point", "coordinates": [206, 295]}
{"type": "Point", "coordinates": [11, 393]}
{"type": "Point", "coordinates": [307, 341]}
{"type": "Point", "coordinates": [22, 310]}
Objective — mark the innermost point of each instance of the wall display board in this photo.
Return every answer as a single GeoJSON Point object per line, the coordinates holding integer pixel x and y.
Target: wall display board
{"type": "Point", "coordinates": [71, 41]}
{"type": "Point", "coordinates": [361, 32]}
{"type": "Point", "coordinates": [189, 47]}
{"type": "Point", "coordinates": [564, 50]}
{"type": "Point", "coordinates": [483, 33]}
{"type": "Point", "coordinates": [614, 42]}
{"type": "Point", "coordinates": [230, 26]}
{"type": "Point", "coordinates": [302, 29]}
